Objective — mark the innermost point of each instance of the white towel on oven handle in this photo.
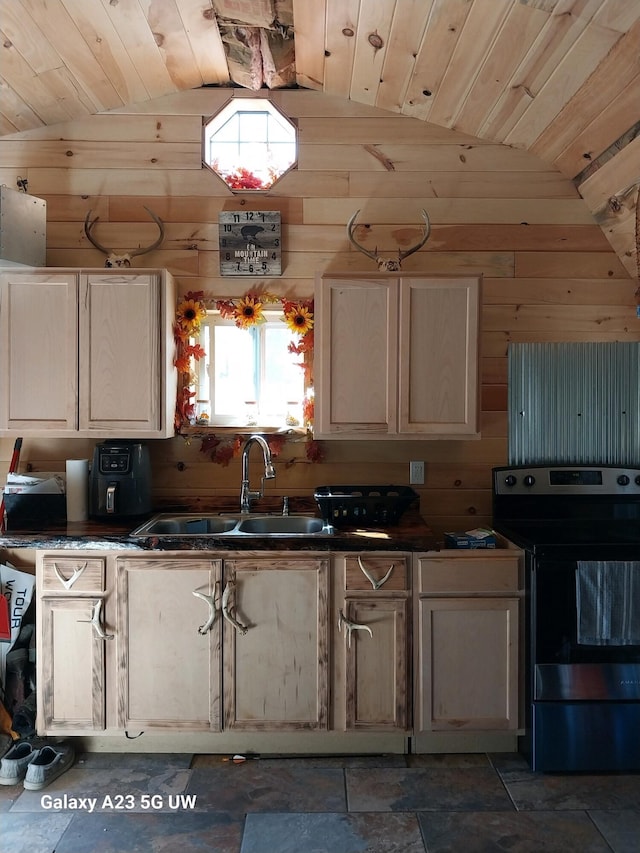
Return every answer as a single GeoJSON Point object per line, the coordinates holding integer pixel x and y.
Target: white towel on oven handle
{"type": "Point", "coordinates": [608, 602]}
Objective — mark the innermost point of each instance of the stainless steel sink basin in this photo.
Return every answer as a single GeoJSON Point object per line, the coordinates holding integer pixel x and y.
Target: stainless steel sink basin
{"type": "Point", "coordinates": [209, 524]}
{"type": "Point", "coordinates": [284, 525]}
{"type": "Point", "coordinates": [186, 525]}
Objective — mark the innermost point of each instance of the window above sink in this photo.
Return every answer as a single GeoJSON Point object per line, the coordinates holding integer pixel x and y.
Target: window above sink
{"type": "Point", "coordinates": [248, 377]}
{"type": "Point", "coordinates": [245, 363]}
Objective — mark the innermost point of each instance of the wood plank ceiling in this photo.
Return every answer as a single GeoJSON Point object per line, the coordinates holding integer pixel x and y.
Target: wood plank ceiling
{"type": "Point", "coordinates": [560, 78]}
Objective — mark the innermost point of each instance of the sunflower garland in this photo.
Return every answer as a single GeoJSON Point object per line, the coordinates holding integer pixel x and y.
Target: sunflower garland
{"type": "Point", "coordinates": [246, 312]}
{"type": "Point", "coordinates": [249, 313]}
{"type": "Point", "coordinates": [298, 317]}
{"type": "Point", "coordinates": [190, 314]}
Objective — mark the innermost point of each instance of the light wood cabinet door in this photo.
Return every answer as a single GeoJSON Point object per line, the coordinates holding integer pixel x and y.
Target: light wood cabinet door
{"type": "Point", "coordinates": [71, 665]}
{"type": "Point", "coordinates": [276, 655]}
{"type": "Point", "coordinates": [468, 664]}
{"type": "Point", "coordinates": [87, 353]}
{"type": "Point", "coordinates": [355, 369]}
{"type": "Point", "coordinates": [38, 352]}
{"type": "Point", "coordinates": [438, 363]}
{"type": "Point", "coordinates": [168, 643]}
{"type": "Point", "coordinates": [376, 664]}
{"type": "Point", "coordinates": [396, 357]}
{"type": "Point", "coordinates": [121, 361]}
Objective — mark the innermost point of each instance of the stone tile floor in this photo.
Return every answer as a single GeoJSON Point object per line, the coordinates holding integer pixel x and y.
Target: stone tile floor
{"type": "Point", "coordinates": [136, 803]}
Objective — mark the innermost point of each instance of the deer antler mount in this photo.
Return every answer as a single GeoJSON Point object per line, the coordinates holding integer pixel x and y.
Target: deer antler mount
{"type": "Point", "coordinates": [388, 264]}
{"type": "Point", "coordinates": [113, 259]}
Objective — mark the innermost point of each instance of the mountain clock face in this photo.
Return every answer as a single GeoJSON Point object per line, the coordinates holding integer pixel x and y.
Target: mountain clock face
{"type": "Point", "coordinates": [250, 242]}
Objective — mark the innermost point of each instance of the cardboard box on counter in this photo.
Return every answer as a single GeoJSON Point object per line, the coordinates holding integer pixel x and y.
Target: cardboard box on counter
{"type": "Point", "coordinates": [478, 538]}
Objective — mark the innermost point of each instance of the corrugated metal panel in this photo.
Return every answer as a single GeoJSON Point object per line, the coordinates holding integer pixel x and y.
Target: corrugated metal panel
{"type": "Point", "coordinates": [574, 403]}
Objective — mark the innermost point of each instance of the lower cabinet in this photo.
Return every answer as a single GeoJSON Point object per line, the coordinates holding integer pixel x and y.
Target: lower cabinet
{"type": "Point", "coordinates": [376, 664]}
{"type": "Point", "coordinates": [71, 659]}
{"type": "Point", "coordinates": [372, 604]}
{"type": "Point", "coordinates": [168, 643]}
{"type": "Point", "coordinates": [397, 644]}
{"type": "Point", "coordinates": [190, 643]}
{"type": "Point", "coordinates": [466, 636]}
{"type": "Point", "coordinates": [276, 643]}
{"type": "Point", "coordinates": [71, 644]}
{"type": "Point", "coordinates": [469, 649]}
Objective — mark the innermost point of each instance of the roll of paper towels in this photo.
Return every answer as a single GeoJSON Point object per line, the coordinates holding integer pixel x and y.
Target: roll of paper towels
{"type": "Point", "coordinates": [77, 489]}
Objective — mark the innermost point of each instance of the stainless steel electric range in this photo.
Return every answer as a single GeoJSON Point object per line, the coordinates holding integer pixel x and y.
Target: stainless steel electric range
{"type": "Point", "coordinates": [579, 527]}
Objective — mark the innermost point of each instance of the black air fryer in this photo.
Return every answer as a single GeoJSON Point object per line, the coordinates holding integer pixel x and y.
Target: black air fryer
{"type": "Point", "coordinates": [120, 484]}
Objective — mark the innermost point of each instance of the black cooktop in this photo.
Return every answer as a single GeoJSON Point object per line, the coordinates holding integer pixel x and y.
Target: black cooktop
{"type": "Point", "coordinates": [568, 506]}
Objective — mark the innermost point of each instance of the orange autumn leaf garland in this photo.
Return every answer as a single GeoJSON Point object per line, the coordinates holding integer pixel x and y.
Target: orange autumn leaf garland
{"type": "Point", "coordinates": [246, 312]}
{"type": "Point", "coordinates": [189, 315]}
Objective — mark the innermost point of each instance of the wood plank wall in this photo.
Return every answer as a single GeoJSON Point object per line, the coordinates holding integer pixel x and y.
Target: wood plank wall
{"type": "Point", "coordinates": [549, 273]}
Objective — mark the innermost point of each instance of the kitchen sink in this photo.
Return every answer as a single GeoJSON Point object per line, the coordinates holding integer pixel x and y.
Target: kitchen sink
{"type": "Point", "coordinates": [285, 525]}
{"type": "Point", "coordinates": [205, 524]}
{"type": "Point", "coordinates": [186, 525]}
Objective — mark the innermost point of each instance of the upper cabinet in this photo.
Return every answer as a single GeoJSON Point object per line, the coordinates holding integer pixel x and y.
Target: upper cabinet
{"type": "Point", "coordinates": [396, 357]}
{"type": "Point", "coordinates": [87, 353]}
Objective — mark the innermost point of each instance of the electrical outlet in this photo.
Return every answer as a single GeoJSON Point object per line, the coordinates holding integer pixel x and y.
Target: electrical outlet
{"type": "Point", "coordinates": [416, 473]}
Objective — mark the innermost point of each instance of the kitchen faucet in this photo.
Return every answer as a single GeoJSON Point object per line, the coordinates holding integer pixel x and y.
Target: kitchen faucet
{"type": "Point", "coordinates": [246, 495]}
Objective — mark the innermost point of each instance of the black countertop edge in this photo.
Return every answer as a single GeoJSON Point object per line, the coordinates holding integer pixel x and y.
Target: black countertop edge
{"type": "Point", "coordinates": [337, 542]}
{"type": "Point", "coordinates": [410, 533]}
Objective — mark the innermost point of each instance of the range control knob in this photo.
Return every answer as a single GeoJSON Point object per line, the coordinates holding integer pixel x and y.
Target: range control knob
{"type": "Point", "coordinates": [510, 480]}
{"type": "Point", "coordinates": [529, 480]}
{"type": "Point", "coordinates": [638, 480]}
{"type": "Point", "coordinates": [623, 480]}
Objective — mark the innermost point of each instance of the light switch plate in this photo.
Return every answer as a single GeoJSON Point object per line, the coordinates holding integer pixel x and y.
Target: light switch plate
{"type": "Point", "coordinates": [416, 473]}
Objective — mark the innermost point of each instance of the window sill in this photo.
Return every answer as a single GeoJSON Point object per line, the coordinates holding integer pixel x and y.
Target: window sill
{"type": "Point", "coordinates": [202, 430]}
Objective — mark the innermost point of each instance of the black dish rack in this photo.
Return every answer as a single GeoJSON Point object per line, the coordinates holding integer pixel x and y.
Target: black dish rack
{"type": "Point", "coordinates": [367, 506]}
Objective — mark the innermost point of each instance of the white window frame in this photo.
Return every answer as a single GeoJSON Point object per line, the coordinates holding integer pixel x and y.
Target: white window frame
{"type": "Point", "coordinates": [257, 156]}
{"type": "Point", "coordinates": [205, 377]}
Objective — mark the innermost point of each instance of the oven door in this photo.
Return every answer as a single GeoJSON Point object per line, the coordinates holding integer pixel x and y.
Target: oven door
{"type": "Point", "coordinates": [584, 663]}
{"type": "Point", "coordinates": [586, 629]}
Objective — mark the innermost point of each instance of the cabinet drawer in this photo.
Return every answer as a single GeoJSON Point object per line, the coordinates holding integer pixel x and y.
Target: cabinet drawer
{"type": "Point", "coordinates": [73, 574]}
{"type": "Point", "coordinates": [469, 575]}
{"type": "Point", "coordinates": [377, 567]}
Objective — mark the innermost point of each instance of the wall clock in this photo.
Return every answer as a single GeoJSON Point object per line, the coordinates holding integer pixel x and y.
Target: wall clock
{"type": "Point", "coordinates": [250, 242]}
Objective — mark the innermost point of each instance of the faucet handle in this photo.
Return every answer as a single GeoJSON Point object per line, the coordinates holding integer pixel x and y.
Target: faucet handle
{"type": "Point", "coordinates": [285, 505]}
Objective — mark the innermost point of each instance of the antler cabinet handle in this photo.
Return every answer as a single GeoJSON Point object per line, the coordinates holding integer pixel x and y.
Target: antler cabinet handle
{"type": "Point", "coordinates": [95, 621]}
{"type": "Point", "coordinates": [229, 588]}
{"type": "Point", "coordinates": [350, 627]}
{"type": "Point", "coordinates": [376, 584]}
{"type": "Point", "coordinates": [67, 583]}
{"type": "Point", "coordinates": [211, 603]}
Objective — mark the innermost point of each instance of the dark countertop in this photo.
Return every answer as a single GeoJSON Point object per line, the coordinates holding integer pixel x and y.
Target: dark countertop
{"type": "Point", "coordinates": [410, 534]}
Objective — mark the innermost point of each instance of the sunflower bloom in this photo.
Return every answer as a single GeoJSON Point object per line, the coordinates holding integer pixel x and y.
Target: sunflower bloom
{"type": "Point", "coordinates": [299, 319]}
{"type": "Point", "coordinates": [248, 312]}
{"type": "Point", "coordinates": [189, 315]}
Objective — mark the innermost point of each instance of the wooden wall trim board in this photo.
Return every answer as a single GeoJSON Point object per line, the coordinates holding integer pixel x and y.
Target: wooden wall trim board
{"type": "Point", "coordinates": [616, 177]}
{"type": "Point", "coordinates": [549, 273]}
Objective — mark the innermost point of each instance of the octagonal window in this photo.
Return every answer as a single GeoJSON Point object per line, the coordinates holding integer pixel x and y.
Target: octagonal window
{"type": "Point", "coordinates": [250, 144]}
